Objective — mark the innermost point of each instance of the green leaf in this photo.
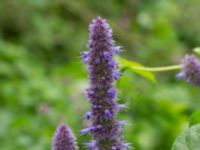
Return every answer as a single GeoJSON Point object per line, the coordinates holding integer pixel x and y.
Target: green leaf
{"type": "Point", "coordinates": [189, 139]}
{"type": "Point", "coordinates": [194, 118]}
{"type": "Point", "coordinates": [131, 65]}
{"type": "Point", "coordinates": [197, 50]}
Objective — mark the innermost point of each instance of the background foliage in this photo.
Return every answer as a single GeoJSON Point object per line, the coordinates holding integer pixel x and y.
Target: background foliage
{"type": "Point", "coordinates": [42, 78]}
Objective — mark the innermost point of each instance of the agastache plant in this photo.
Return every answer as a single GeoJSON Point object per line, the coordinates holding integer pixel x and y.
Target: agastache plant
{"type": "Point", "coordinates": [103, 70]}
{"type": "Point", "coordinates": [105, 129]}
{"type": "Point", "coordinates": [64, 139]}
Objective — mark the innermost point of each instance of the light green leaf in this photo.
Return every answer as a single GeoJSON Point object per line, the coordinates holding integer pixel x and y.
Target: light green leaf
{"type": "Point", "coordinates": [197, 50]}
{"type": "Point", "coordinates": [132, 66]}
{"type": "Point", "coordinates": [189, 139]}
{"type": "Point", "coordinates": [194, 118]}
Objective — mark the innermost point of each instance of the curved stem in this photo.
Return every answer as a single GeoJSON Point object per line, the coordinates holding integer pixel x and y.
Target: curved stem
{"type": "Point", "coordinates": [157, 69]}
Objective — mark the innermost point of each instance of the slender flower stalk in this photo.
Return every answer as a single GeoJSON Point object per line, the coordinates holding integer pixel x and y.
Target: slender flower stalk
{"type": "Point", "coordinates": [190, 70]}
{"type": "Point", "coordinates": [105, 128]}
{"type": "Point", "coordinates": [157, 69]}
{"type": "Point", "coordinates": [64, 139]}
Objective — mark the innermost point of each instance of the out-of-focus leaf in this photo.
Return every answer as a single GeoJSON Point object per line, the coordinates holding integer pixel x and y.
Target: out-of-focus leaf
{"type": "Point", "coordinates": [188, 139]}
{"type": "Point", "coordinates": [131, 65]}
{"type": "Point", "coordinates": [195, 118]}
{"type": "Point", "coordinates": [197, 50]}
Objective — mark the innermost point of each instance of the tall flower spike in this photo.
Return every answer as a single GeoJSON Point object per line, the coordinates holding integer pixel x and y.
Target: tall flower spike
{"type": "Point", "coordinates": [191, 69]}
{"type": "Point", "coordinates": [64, 139]}
{"type": "Point", "coordinates": [106, 129]}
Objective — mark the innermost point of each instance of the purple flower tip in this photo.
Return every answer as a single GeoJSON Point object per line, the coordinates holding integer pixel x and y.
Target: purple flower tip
{"type": "Point", "coordinates": [191, 69]}
{"type": "Point", "coordinates": [64, 139]}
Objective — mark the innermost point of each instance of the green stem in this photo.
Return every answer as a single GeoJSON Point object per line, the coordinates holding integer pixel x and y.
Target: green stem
{"type": "Point", "coordinates": [157, 69]}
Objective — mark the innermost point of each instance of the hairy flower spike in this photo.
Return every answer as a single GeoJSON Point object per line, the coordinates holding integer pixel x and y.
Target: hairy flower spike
{"type": "Point", "coordinates": [191, 69]}
{"type": "Point", "coordinates": [64, 139]}
{"type": "Point", "coordinates": [105, 128]}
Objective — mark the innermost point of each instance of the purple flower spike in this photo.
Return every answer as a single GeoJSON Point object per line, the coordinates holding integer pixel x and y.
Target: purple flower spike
{"type": "Point", "coordinates": [106, 129]}
{"type": "Point", "coordinates": [191, 69]}
{"type": "Point", "coordinates": [64, 139]}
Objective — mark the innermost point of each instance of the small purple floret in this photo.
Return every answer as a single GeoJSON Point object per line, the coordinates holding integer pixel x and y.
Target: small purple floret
{"type": "Point", "coordinates": [85, 56]}
{"type": "Point", "coordinates": [64, 139]}
{"type": "Point", "coordinates": [107, 56]}
{"type": "Point", "coordinates": [90, 145]}
{"type": "Point", "coordinates": [86, 130]}
{"type": "Point", "coordinates": [108, 115]}
{"type": "Point", "coordinates": [112, 64]}
{"type": "Point", "coordinates": [116, 74]}
{"type": "Point", "coordinates": [180, 76]}
{"type": "Point", "coordinates": [111, 92]}
{"type": "Point", "coordinates": [117, 50]}
{"type": "Point", "coordinates": [98, 127]}
{"type": "Point", "coordinates": [121, 107]}
{"type": "Point", "coordinates": [114, 148]}
{"type": "Point", "coordinates": [125, 145]}
{"type": "Point", "coordinates": [88, 115]}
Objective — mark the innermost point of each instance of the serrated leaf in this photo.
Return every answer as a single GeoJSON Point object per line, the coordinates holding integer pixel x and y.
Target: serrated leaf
{"type": "Point", "coordinates": [189, 139]}
{"type": "Point", "coordinates": [194, 118]}
{"type": "Point", "coordinates": [131, 65]}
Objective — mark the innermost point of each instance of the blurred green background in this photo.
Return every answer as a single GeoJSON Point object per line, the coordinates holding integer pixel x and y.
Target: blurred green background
{"type": "Point", "coordinates": [42, 78]}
